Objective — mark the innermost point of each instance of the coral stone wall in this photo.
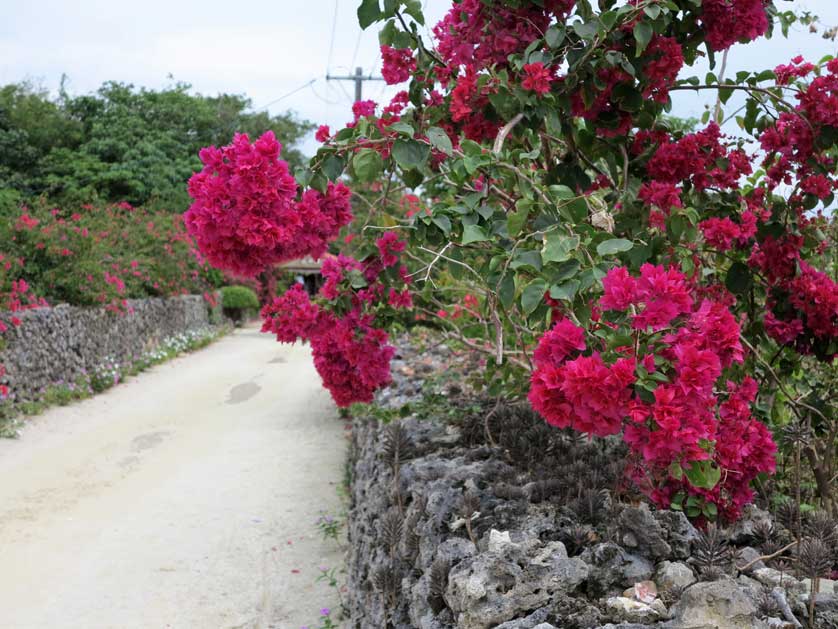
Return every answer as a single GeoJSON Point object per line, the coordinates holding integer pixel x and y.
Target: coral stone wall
{"type": "Point", "coordinates": [61, 344]}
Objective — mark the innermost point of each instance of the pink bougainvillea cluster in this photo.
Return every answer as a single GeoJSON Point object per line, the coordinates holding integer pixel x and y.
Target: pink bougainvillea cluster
{"type": "Point", "coordinates": [729, 21]}
{"type": "Point", "coordinates": [486, 33]}
{"type": "Point", "coordinates": [790, 143]}
{"type": "Point", "coordinates": [247, 215]}
{"type": "Point", "coordinates": [680, 347]}
{"type": "Point", "coordinates": [397, 64]}
{"type": "Point", "coordinates": [350, 351]}
{"type": "Point", "coordinates": [802, 306]}
{"type": "Point", "coordinates": [700, 159]}
{"type": "Point", "coordinates": [17, 298]}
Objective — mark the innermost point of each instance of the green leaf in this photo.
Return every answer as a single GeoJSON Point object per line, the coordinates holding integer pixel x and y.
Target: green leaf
{"type": "Point", "coordinates": [558, 248]}
{"type": "Point", "coordinates": [356, 279]}
{"type": "Point", "coordinates": [506, 290]}
{"type": "Point", "coordinates": [319, 182]}
{"type": "Point", "coordinates": [608, 19]}
{"type": "Point", "coordinates": [653, 11]}
{"type": "Point", "coordinates": [303, 176]}
{"type": "Point", "coordinates": [333, 167]}
{"type": "Point", "coordinates": [367, 165]}
{"type": "Point", "coordinates": [444, 223]}
{"type": "Point", "coordinates": [533, 295]}
{"type": "Point", "coordinates": [613, 246]}
{"type": "Point", "coordinates": [440, 140]}
{"type": "Point", "coordinates": [677, 225]}
{"type": "Point", "coordinates": [643, 32]}
{"type": "Point", "coordinates": [471, 148]}
{"type": "Point", "coordinates": [629, 98]}
{"type": "Point", "coordinates": [403, 128]}
{"type": "Point", "coordinates": [410, 154]}
{"type": "Point", "coordinates": [388, 34]}
{"type": "Point", "coordinates": [527, 258]}
{"type": "Point", "coordinates": [564, 271]}
{"type": "Point", "coordinates": [577, 209]}
{"type": "Point", "coordinates": [486, 211]}
{"type": "Point", "coordinates": [369, 12]}
{"type": "Point", "coordinates": [703, 474]}
{"type": "Point", "coordinates": [414, 9]}
{"type": "Point", "coordinates": [585, 30]}
{"type": "Point", "coordinates": [738, 279]}
{"type": "Point", "coordinates": [516, 221]}
{"type": "Point", "coordinates": [561, 193]}
{"type": "Point", "coordinates": [473, 233]}
{"type": "Point", "coordinates": [554, 36]}
{"type": "Point", "coordinates": [413, 178]}
{"type": "Point", "coordinates": [566, 290]}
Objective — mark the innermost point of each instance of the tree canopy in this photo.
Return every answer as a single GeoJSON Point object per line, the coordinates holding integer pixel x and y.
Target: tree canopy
{"type": "Point", "coordinates": [121, 143]}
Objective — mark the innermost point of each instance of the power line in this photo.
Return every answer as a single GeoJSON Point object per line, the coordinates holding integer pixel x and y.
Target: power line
{"type": "Point", "coordinates": [291, 93]}
{"type": "Point", "coordinates": [345, 93]}
{"type": "Point", "coordinates": [328, 102]}
{"type": "Point", "coordinates": [373, 64]}
{"type": "Point", "coordinates": [332, 42]}
{"type": "Point", "coordinates": [357, 44]}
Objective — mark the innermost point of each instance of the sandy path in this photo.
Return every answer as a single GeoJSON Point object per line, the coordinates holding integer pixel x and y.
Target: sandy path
{"type": "Point", "coordinates": [184, 498]}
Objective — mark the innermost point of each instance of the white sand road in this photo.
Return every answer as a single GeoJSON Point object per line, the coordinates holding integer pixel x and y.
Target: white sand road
{"type": "Point", "coordinates": [186, 497]}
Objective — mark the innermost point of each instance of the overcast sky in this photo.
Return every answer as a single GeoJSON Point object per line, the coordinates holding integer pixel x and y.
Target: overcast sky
{"type": "Point", "coordinates": [264, 49]}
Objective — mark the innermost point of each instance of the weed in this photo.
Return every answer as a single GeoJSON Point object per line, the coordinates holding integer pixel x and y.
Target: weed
{"type": "Point", "coordinates": [329, 577]}
{"type": "Point", "coordinates": [329, 527]}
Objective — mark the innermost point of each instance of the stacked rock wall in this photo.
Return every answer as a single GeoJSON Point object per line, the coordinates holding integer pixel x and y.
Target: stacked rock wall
{"type": "Point", "coordinates": [485, 517]}
{"type": "Point", "coordinates": [413, 563]}
{"type": "Point", "coordinates": [61, 344]}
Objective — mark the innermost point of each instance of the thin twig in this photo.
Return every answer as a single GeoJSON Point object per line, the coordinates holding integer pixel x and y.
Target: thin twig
{"type": "Point", "coordinates": [794, 402]}
{"type": "Point", "coordinates": [766, 557]}
{"type": "Point", "coordinates": [721, 80]}
{"type": "Point", "coordinates": [501, 137]}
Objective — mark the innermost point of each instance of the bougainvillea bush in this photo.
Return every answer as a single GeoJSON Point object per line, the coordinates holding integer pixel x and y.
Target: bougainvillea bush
{"type": "Point", "coordinates": [96, 256]}
{"type": "Point", "coordinates": [528, 194]}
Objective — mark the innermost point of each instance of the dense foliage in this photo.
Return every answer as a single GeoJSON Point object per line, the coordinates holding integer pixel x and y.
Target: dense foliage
{"type": "Point", "coordinates": [629, 275]}
{"type": "Point", "coordinates": [239, 298]}
{"type": "Point", "coordinates": [98, 255]}
{"type": "Point", "coordinates": [120, 143]}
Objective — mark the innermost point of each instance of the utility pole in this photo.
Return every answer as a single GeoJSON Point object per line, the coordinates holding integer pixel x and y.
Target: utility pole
{"type": "Point", "coordinates": [359, 79]}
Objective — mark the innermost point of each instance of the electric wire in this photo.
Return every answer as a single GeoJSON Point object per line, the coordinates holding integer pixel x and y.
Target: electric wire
{"type": "Point", "coordinates": [319, 97]}
{"type": "Point", "coordinates": [345, 93]}
{"type": "Point", "coordinates": [357, 45]}
{"type": "Point", "coordinates": [332, 42]}
{"type": "Point", "coordinates": [284, 96]}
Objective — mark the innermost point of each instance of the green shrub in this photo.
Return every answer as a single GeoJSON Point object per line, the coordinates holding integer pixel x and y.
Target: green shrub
{"type": "Point", "coordinates": [239, 298]}
{"type": "Point", "coordinates": [122, 143]}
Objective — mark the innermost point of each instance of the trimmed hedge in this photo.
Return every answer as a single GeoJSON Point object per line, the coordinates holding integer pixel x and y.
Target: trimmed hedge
{"type": "Point", "coordinates": [239, 298]}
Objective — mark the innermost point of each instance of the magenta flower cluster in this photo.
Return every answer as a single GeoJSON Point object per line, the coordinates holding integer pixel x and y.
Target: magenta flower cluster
{"type": "Point", "coordinates": [680, 344]}
{"type": "Point", "coordinates": [246, 214]}
{"type": "Point", "coordinates": [351, 353]}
